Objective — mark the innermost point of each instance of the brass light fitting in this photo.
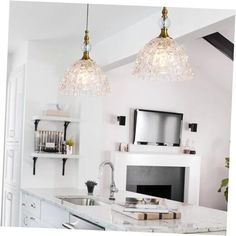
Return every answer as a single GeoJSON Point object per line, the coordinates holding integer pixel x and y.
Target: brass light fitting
{"type": "Point", "coordinates": [86, 42]}
{"type": "Point", "coordinates": [164, 30]}
{"type": "Point", "coordinates": [86, 39]}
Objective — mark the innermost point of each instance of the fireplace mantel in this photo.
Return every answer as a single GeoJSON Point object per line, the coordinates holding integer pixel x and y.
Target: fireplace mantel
{"type": "Point", "coordinates": [191, 163]}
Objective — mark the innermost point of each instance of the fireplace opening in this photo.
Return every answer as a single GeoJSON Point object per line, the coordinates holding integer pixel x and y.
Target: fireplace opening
{"type": "Point", "coordinates": [158, 181]}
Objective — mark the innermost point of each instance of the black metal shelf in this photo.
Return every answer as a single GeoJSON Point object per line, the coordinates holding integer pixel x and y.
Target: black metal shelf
{"type": "Point", "coordinates": [64, 157]}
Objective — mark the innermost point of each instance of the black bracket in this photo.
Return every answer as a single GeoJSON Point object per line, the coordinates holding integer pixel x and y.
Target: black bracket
{"type": "Point", "coordinates": [65, 128]}
{"type": "Point", "coordinates": [34, 164]}
{"type": "Point", "coordinates": [36, 122]}
{"type": "Point", "coordinates": [63, 165]}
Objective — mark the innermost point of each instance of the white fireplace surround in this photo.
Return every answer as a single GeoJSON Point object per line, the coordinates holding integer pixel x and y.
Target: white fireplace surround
{"type": "Point", "coordinates": [191, 163]}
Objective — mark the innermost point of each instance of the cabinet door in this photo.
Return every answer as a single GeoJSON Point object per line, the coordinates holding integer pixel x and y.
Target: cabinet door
{"type": "Point", "coordinates": [31, 204]}
{"type": "Point", "coordinates": [41, 214]}
{"type": "Point", "coordinates": [12, 164]}
{"type": "Point", "coordinates": [80, 223]}
{"type": "Point", "coordinates": [33, 222]}
{"type": "Point", "coordinates": [27, 220]}
{"type": "Point", "coordinates": [10, 207]}
{"type": "Point", "coordinates": [53, 215]}
{"type": "Point", "coordinates": [24, 219]}
{"type": "Point", "coordinates": [15, 98]}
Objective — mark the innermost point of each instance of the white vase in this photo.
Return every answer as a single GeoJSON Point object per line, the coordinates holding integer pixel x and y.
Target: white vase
{"type": "Point", "coordinates": [69, 149]}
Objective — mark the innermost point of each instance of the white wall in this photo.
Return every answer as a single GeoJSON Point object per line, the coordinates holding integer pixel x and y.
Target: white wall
{"type": "Point", "coordinates": [16, 59]}
{"type": "Point", "coordinates": [202, 100]}
{"type": "Point", "coordinates": [46, 64]}
{"type": "Point", "coordinates": [91, 139]}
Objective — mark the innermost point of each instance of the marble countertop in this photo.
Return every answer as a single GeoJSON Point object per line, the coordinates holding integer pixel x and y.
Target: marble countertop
{"type": "Point", "coordinates": [194, 219]}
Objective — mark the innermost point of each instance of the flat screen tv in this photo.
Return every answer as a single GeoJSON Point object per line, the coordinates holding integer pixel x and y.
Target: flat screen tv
{"type": "Point", "coordinates": [157, 127]}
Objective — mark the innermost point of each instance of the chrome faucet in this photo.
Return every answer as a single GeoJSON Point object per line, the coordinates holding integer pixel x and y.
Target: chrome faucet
{"type": "Point", "coordinates": [113, 188]}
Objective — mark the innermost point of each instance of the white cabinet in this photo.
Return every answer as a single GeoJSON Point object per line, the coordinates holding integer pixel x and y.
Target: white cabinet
{"type": "Point", "coordinates": [13, 137]}
{"type": "Point", "coordinates": [24, 219]}
{"type": "Point", "coordinates": [37, 213]}
{"type": "Point", "coordinates": [30, 211]}
{"type": "Point", "coordinates": [10, 203]}
{"type": "Point", "coordinates": [15, 93]}
{"type": "Point", "coordinates": [28, 220]}
{"type": "Point", "coordinates": [12, 164]}
{"type": "Point", "coordinates": [53, 215]}
{"type": "Point", "coordinates": [76, 222]}
{"type": "Point", "coordinates": [31, 204]}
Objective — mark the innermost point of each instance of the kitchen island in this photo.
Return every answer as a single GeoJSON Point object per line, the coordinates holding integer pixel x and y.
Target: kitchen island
{"type": "Point", "coordinates": [194, 219]}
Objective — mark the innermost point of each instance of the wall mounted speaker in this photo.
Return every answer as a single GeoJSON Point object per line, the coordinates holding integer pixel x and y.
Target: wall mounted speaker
{"type": "Point", "coordinates": [121, 120]}
{"type": "Point", "coordinates": [192, 127]}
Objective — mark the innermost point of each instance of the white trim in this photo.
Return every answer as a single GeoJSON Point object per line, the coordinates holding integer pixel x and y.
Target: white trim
{"type": "Point", "coordinates": [56, 118]}
{"type": "Point", "coordinates": [54, 155]}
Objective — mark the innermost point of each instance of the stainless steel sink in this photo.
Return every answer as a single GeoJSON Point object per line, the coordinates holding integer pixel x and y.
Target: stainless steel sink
{"type": "Point", "coordinates": [82, 201]}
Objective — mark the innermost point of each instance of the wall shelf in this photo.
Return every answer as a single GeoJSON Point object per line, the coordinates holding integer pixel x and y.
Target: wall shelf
{"type": "Point", "coordinates": [65, 120]}
{"type": "Point", "coordinates": [56, 118]}
{"type": "Point", "coordinates": [53, 155]}
{"type": "Point", "coordinates": [64, 157]}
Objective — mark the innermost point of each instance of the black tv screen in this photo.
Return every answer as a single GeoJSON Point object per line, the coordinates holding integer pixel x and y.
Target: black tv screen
{"type": "Point", "coordinates": [157, 127]}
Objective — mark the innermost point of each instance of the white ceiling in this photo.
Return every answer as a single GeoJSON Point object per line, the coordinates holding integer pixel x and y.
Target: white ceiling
{"type": "Point", "coordinates": [38, 20]}
{"type": "Point", "coordinates": [225, 27]}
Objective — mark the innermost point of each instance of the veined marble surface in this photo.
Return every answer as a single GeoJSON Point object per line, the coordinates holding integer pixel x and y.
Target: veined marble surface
{"type": "Point", "coordinates": [194, 219]}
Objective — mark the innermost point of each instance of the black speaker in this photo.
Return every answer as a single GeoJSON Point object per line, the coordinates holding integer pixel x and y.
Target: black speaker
{"type": "Point", "coordinates": [121, 120]}
{"type": "Point", "coordinates": [192, 127]}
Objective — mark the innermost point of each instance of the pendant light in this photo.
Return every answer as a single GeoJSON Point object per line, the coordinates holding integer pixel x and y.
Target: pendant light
{"type": "Point", "coordinates": [162, 57]}
{"type": "Point", "coordinates": [85, 77]}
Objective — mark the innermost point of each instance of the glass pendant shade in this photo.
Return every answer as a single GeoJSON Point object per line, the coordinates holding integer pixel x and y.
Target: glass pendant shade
{"type": "Point", "coordinates": [84, 77]}
{"type": "Point", "coordinates": [162, 57]}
